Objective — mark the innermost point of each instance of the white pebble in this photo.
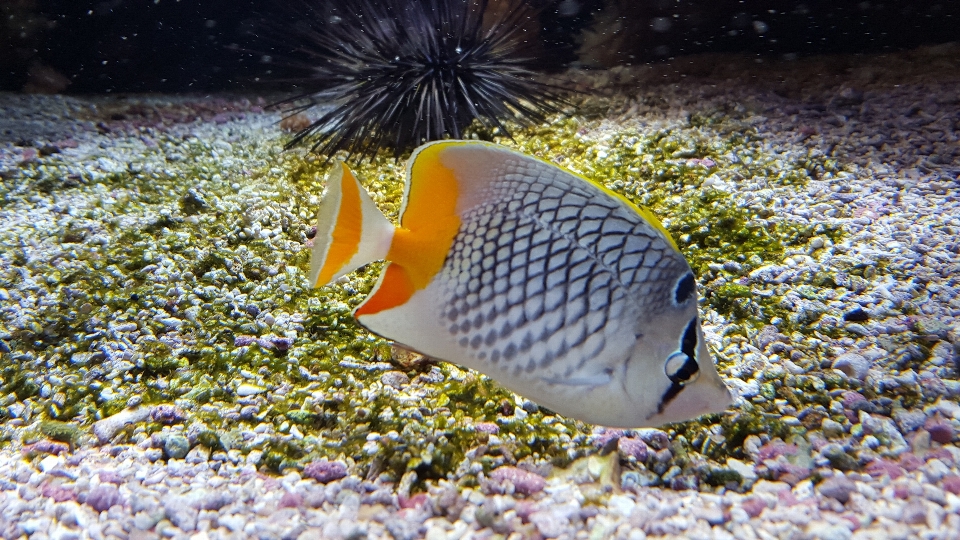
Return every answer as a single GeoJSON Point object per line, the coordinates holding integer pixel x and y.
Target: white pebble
{"type": "Point", "coordinates": [48, 463]}
{"type": "Point", "coordinates": [245, 390]}
{"type": "Point", "coordinates": [621, 504]}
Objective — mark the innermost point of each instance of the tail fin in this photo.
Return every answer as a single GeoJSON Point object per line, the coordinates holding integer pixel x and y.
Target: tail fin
{"type": "Point", "coordinates": [351, 230]}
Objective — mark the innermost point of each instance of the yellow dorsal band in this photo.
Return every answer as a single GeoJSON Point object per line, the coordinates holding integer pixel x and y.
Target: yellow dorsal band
{"type": "Point", "coordinates": [345, 237]}
{"type": "Point", "coordinates": [652, 219]}
{"type": "Point", "coordinates": [428, 225]}
{"type": "Point", "coordinates": [647, 214]}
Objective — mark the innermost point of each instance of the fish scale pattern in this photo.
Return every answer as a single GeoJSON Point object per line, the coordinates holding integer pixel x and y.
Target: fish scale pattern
{"type": "Point", "coordinates": [550, 270]}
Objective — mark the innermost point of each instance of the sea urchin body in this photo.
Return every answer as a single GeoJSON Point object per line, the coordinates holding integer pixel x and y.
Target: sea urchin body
{"type": "Point", "coordinates": [401, 72]}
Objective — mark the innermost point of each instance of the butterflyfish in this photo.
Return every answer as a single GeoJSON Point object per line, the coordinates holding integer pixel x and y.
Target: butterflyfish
{"type": "Point", "coordinates": [554, 286]}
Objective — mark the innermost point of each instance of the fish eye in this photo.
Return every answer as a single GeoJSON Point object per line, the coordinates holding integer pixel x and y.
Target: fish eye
{"type": "Point", "coordinates": [685, 287]}
{"type": "Point", "coordinates": [681, 369]}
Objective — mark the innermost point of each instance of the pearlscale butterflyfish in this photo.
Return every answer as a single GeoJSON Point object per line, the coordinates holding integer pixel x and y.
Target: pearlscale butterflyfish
{"type": "Point", "coordinates": [558, 288]}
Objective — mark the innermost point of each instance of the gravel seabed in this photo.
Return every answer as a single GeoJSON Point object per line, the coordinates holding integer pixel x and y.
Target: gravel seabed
{"type": "Point", "coordinates": [890, 124]}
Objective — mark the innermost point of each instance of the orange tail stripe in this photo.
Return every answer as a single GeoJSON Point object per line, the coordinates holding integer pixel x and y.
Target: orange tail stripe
{"type": "Point", "coordinates": [427, 229]}
{"type": "Point", "coordinates": [345, 238]}
{"type": "Point", "coordinates": [394, 290]}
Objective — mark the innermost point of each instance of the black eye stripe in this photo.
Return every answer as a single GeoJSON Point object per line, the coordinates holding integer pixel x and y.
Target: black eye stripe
{"type": "Point", "coordinates": [685, 287]}
{"type": "Point", "coordinates": [688, 346]}
{"type": "Point", "coordinates": [668, 397]}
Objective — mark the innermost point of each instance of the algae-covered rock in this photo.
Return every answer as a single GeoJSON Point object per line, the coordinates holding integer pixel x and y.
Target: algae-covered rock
{"type": "Point", "coordinates": [61, 431]}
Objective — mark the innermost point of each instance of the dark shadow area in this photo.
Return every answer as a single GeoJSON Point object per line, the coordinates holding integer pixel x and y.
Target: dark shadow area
{"type": "Point", "coordinates": [213, 45]}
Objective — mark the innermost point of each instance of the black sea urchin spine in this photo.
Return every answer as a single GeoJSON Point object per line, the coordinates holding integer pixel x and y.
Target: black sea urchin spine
{"type": "Point", "coordinates": [401, 72]}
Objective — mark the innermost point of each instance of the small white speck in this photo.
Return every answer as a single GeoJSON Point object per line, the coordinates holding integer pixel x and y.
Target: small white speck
{"type": "Point", "coordinates": [661, 24]}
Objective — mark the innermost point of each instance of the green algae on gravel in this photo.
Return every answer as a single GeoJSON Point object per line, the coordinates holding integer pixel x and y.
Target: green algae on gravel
{"type": "Point", "coordinates": [193, 259]}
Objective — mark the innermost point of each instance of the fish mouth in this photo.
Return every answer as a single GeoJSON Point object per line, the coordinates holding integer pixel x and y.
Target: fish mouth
{"type": "Point", "coordinates": [709, 400]}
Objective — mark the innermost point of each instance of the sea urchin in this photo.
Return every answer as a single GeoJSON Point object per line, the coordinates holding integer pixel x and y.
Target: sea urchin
{"type": "Point", "coordinates": [401, 72]}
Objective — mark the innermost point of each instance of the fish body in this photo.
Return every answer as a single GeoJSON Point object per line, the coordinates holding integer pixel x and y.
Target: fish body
{"type": "Point", "coordinates": [554, 286]}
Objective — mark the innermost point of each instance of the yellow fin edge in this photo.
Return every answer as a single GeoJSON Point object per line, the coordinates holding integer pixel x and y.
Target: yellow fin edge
{"type": "Point", "coordinates": [644, 212]}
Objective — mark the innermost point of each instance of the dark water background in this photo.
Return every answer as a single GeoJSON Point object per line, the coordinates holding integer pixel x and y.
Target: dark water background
{"type": "Point", "coordinates": [205, 45]}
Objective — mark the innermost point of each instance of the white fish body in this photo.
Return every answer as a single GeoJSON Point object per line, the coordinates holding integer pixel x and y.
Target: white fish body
{"type": "Point", "coordinates": [554, 286]}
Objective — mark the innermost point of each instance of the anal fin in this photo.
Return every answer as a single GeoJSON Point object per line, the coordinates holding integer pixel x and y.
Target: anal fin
{"type": "Point", "coordinates": [393, 289]}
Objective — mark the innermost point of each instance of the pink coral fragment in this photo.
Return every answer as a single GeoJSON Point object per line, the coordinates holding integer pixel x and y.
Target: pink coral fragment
{"type": "Point", "coordinates": [324, 471]}
{"type": "Point", "coordinates": [880, 467]}
{"type": "Point", "coordinates": [523, 481]}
